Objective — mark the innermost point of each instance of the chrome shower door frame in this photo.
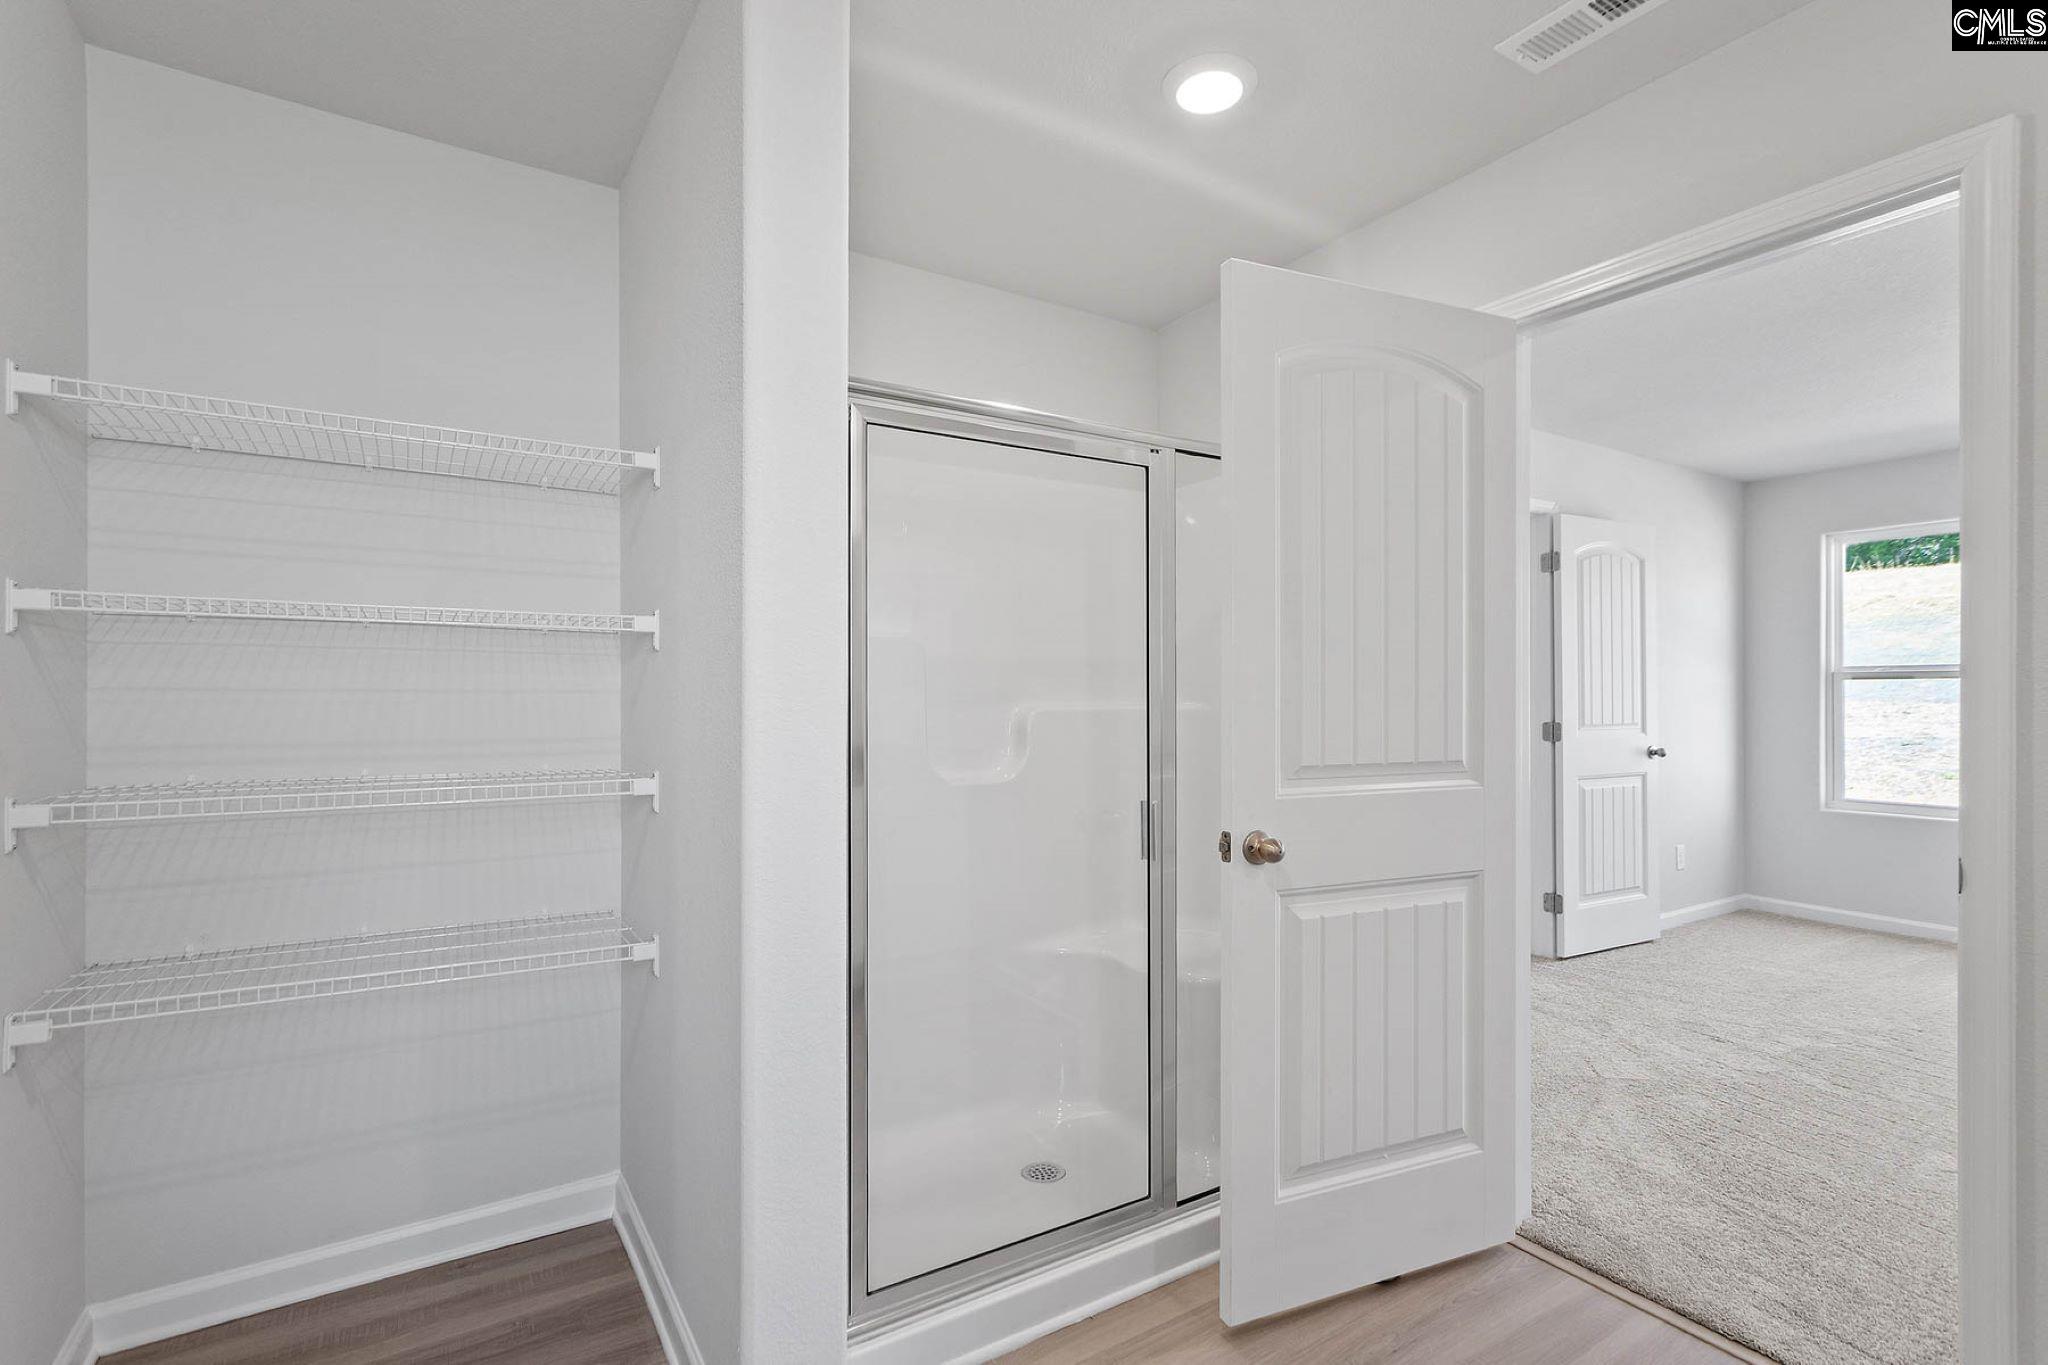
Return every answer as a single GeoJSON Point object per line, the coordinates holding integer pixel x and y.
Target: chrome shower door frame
{"type": "Point", "coordinates": [874, 405]}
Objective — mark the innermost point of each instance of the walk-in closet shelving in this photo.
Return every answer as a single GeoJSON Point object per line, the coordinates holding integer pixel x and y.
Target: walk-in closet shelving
{"type": "Point", "coordinates": [234, 978]}
{"type": "Point", "coordinates": [119, 412]}
{"type": "Point", "coordinates": [89, 603]}
{"type": "Point", "coordinates": [317, 796]}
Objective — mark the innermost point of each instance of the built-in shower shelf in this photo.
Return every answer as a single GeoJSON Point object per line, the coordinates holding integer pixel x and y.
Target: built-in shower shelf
{"type": "Point", "coordinates": [20, 599]}
{"type": "Point", "coordinates": [317, 796]}
{"type": "Point", "coordinates": [118, 412]}
{"type": "Point", "coordinates": [200, 983]}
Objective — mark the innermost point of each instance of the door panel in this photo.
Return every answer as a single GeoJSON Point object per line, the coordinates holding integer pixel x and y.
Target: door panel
{"type": "Point", "coordinates": [1379, 1057]}
{"type": "Point", "coordinates": [1607, 871]}
{"type": "Point", "coordinates": [1369, 991]}
{"type": "Point", "coordinates": [1375, 514]}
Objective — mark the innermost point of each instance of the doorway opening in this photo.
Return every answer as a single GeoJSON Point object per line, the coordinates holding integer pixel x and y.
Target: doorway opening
{"type": "Point", "coordinates": [1746, 647]}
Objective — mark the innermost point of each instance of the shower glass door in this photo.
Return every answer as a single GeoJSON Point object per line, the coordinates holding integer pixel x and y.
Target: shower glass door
{"type": "Point", "coordinates": [1003, 839]}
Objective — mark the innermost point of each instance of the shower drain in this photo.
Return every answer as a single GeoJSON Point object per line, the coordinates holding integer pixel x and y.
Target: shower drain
{"type": "Point", "coordinates": [1044, 1172]}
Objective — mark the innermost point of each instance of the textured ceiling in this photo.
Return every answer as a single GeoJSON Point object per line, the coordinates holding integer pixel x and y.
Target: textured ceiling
{"type": "Point", "coordinates": [1838, 353]}
{"type": "Point", "coordinates": [563, 86]}
{"type": "Point", "coordinates": [1030, 145]}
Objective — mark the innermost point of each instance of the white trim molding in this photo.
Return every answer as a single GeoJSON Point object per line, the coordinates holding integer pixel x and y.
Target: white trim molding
{"type": "Point", "coordinates": [1693, 914]}
{"type": "Point", "coordinates": [1819, 914]}
{"type": "Point", "coordinates": [678, 1342]}
{"type": "Point", "coordinates": [1003, 1318]}
{"type": "Point", "coordinates": [1980, 167]}
{"type": "Point", "coordinates": [1988, 983]}
{"type": "Point", "coordinates": [1847, 203]}
{"type": "Point", "coordinates": [1854, 919]}
{"type": "Point", "coordinates": [155, 1314]}
{"type": "Point", "coordinates": [77, 1348]}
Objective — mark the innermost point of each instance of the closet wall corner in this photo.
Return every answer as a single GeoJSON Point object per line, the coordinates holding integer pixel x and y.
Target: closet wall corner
{"type": "Point", "coordinates": [43, 506]}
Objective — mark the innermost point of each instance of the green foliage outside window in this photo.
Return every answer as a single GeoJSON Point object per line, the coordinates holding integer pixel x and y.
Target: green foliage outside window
{"type": "Point", "coordinates": [1913, 552]}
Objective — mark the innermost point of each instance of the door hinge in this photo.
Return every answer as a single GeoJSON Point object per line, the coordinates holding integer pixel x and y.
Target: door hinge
{"type": "Point", "coordinates": [1223, 846]}
{"type": "Point", "coordinates": [1553, 732]}
{"type": "Point", "coordinates": [1553, 904]}
{"type": "Point", "coordinates": [1551, 561]}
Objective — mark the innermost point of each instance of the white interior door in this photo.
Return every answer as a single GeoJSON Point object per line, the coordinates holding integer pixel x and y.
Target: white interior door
{"type": "Point", "coordinates": [1607, 707]}
{"type": "Point", "coordinates": [1369, 994]}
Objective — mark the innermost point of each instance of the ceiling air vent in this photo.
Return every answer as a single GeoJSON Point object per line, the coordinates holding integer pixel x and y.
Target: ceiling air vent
{"type": "Point", "coordinates": [1568, 28]}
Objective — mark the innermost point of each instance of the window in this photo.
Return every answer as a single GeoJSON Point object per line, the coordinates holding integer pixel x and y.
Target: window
{"type": "Point", "coordinates": [1895, 628]}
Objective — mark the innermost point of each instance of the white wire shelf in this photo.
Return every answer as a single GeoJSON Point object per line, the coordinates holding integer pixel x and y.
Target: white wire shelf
{"type": "Point", "coordinates": [316, 796]}
{"type": "Point", "coordinates": [118, 412]}
{"type": "Point", "coordinates": [20, 599]}
{"type": "Point", "coordinates": [235, 978]}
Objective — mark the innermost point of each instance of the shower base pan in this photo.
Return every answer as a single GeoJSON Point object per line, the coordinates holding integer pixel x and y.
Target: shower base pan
{"type": "Point", "coordinates": [957, 1187]}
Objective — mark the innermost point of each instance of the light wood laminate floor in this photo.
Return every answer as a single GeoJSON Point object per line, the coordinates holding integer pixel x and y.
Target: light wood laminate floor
{"type": "Point", "coordinates": [572, 1299]}
{"type": "Point", "coordinates": [569, 1299]}
{"type": "Point", "coordinates": [1500, 1307]}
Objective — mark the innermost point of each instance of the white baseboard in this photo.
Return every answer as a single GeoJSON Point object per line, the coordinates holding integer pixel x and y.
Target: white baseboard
{"type": "Point", "coordinates": [155, 1314]}
{"type": "Point", "coordinates": [1693, 914]}
{"type": "Point", "coordinates": [1819, 914]}
{"type": "Point", "coordinates": [678, 1343]}
{"type": "Point", "coordinates": [999, 1320]}
{"type": "Point", "coordinates": [1855, 919]}
{"type": "Point", "coordinates": [78, 1348]}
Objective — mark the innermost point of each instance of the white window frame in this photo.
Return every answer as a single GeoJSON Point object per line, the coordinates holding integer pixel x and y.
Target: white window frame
{"type": "Point", "coordinates": [1834, 546]}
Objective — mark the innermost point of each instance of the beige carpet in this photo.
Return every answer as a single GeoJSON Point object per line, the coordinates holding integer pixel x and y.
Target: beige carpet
{"type": "Point", "coordinates": [1752, 1120]}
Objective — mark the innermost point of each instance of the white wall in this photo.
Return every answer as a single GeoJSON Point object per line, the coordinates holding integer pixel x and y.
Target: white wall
{"type": "Point", "coordinates": [1698, 519]}
{"type": "Point", "coordinates": [42, 667]}
{"type": "Point", "coordinates": [733, 268]}
{"type": "Point", "coordinates": [1899, 867]}
{"type": "Point", "coordinates": [927, 331]}
{"type": "Point", "coordinates": [1191, 374]}
{"type": "Point", "coordinates": [245, 246]}
{"type": "Point", "coordinates": [251, 247]}
{"type": "Point", "coordinates": [680, 272]}
{"type": "Point", "coordinates": [794, 94]}
{"type": "Point", "coordinates": [1832, 87]}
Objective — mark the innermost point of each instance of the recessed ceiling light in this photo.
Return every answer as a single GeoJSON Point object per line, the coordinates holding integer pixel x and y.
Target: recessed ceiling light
{"type": "Point", "coordinates": [1211, 84]}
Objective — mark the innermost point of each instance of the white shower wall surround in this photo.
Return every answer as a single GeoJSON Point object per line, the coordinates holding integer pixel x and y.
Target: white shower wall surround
{"type": "Point", "coordinates": [489, 303]}
{"type": "Point", "coordinates": [1201, 570]}
{"type": "Point", "coordinates": [1007, 766]}
{"type": "Point", "coordinates": [1014, 1092]}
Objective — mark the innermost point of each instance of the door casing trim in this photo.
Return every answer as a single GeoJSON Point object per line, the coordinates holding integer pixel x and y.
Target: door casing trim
{"type": "Point", "coordinates": [1980, 167]}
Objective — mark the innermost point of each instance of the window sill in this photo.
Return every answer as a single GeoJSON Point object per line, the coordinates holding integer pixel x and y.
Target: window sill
{"type": "Point", "coordinates": [1942, 814]}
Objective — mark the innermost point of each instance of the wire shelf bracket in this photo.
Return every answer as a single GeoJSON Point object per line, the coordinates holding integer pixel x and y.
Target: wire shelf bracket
{"type": "Point", "coordinates": [20, 599]}
{"type": "Point", "coordinates": [118, 412]}
{"type": "Point", "coordinates": [236, 978]}
{"type": "Point", "coordinates": [315, 796]}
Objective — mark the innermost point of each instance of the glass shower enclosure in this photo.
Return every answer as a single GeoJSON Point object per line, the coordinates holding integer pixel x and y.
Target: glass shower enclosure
{"type": "Point", "coordinates": [1012, 849]}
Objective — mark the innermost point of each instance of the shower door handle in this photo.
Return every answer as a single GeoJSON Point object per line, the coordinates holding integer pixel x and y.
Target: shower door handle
{"type": "Point", "coordinates": [1261, 847]}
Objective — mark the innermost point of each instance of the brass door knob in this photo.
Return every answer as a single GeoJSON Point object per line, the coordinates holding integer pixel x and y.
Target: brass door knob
{"type": "Point", "coordinates": [1261, 847]}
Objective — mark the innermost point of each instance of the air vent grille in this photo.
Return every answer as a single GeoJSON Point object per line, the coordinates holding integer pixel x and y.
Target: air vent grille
{"type": "Point", "coordinates": [1569, 28]}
